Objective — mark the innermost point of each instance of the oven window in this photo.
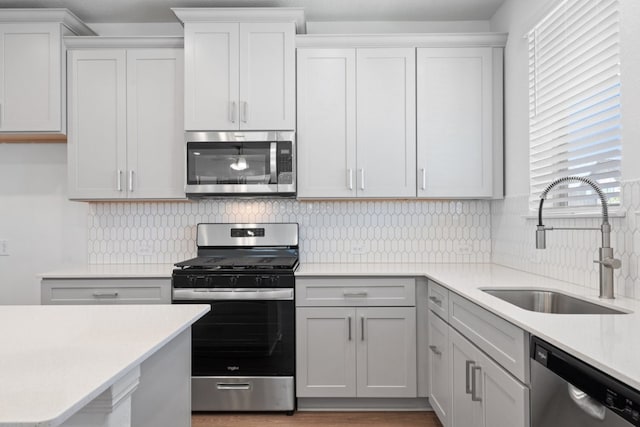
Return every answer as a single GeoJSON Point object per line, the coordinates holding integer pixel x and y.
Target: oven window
{"type": "Point", "coordinates": [244, 338]}
{"type": "Point", "coordinates": [228, 163]}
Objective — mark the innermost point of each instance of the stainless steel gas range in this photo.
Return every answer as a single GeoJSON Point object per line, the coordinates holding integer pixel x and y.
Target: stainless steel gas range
{"type": "Point", "coordinates": [243, 350]}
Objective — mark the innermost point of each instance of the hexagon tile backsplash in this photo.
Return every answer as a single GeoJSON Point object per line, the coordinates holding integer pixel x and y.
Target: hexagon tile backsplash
{"type": "Point", "coordinates": [330, 231]}
{"type": "Point", "coordinates": [569, 254]}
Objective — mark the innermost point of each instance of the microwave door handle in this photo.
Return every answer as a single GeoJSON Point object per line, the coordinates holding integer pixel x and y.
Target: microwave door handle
{"type": "Point", "coordinates": [273, 163]}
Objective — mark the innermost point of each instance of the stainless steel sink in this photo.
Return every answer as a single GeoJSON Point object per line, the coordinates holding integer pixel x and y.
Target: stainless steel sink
{"type": "Point", "coordinates": [544, 301]}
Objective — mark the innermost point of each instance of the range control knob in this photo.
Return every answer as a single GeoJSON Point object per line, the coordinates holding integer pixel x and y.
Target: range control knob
{"type": "Point", "coordinates": [274, 281]}
{"type": "Point", "coordinates": [258, 280]}
{"type": "Point", "coordinates": [233, 280]}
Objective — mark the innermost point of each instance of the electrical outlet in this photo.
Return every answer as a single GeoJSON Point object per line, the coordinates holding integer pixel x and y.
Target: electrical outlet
{"type": "Point", "coordinates": [464, 249]}
{"type": "Point", "coordinates": [358, 249]}
{"type": "Point", "coordinates": [4, 248]}
{"type": "Point", "coordinates": [144, 249]}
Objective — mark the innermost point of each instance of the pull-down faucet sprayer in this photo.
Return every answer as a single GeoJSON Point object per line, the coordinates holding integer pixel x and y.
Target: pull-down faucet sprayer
{"type": "Point", "coordinates": [606, 260]}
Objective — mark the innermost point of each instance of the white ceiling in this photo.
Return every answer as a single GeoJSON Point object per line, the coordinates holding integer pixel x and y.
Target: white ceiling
{"type": "Point", "coordinates": [103, 11]}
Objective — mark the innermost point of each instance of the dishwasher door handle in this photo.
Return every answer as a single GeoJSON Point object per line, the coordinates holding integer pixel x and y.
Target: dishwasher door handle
{"type": "Point", "coordinates": [588, 404]}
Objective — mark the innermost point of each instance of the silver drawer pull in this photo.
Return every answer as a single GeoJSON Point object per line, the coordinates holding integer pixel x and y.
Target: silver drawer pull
{"type": "Point", "coordinates": [105, 294]}
{"type": "Point", "coordinates": [435, 350]}
{"type": "Point", "coordinates": [355, 294]}
{"type": "Point", "coordinates": [233, 386]}
{"type": "Point", "coordinates": [437, 301]}
{"type": "Point", "coordinates": [474, 389]}
{"type": "Point", "coordinates": [467, 376]}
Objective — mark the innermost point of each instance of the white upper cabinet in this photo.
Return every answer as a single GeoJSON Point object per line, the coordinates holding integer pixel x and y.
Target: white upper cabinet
{"type": "Point", "coordinates": [326, 122]}
{"type": "Point", "coordinates": [239, 76]}
{"type": "Point", "coordinates": [459, 144]}
{"type": "Point", "coordinates": [379, 120]}
{"type": "Point", "coordinates": [386, 122]}
{"type": "Point", "coordinates": [211, 76]}
{"type": "Point", "coordinates": [155, 131]}
{"type": "Point", "coordinates": [32, 69]}
{"type": "Point", "coordinates": [125, 122]}
{"type": "Point", "coordinates": [356, 129]}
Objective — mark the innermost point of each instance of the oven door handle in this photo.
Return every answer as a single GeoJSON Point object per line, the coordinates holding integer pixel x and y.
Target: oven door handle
{"type": "Point", "coordinates": [213, 294]}
{"type": "Point", "coordinates": [233, 386]}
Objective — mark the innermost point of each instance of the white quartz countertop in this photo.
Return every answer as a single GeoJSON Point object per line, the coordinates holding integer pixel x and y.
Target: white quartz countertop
{"type": "Point", "coordinates": [56, 359]}
{"type": "Point", "coordinates": [611, 343]}
{"type": "Point", "coordinates": [112, 271]}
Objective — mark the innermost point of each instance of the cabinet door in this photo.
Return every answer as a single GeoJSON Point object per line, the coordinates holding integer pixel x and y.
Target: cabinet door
{"type": "Point", "coordinates": [30, 78]}
{"type": "Point", "coordinates": [267, 76]}
{"type": "Point", "coordinates": [211, 76]}
{"type": "Point", "coordinates": [386, 352]}
{"type": "Point", "coordinates": [455, 137]}
{"type": "Point", "coordinates": [155, 141]}
{"type": "Point", "coordinates": [505, 401]}
{"type": "Point", "coordinates": [97, 144]}
{"type": "Point", "coordinates": [325, 352]}
{"type": "Point", "coordinates": [439, 371]}
{"type": "Point", "coordinates": [386, 122]}
{"type": "Point", "coordinates": [465, 412]}
{"type": "Point", "coordinates": [326, 122]}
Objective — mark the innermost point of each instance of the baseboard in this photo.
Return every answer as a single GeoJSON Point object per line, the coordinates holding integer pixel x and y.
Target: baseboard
{"type": "Point", "coordinates": [363, 404]}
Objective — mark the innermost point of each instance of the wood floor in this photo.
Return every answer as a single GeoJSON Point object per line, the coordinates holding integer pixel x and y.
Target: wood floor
{"type": "Point", "coordinates": [318, 419]}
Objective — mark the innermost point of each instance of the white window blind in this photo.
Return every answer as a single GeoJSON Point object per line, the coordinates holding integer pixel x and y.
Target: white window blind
{"type": "Point", "coordinates": [574, 103]}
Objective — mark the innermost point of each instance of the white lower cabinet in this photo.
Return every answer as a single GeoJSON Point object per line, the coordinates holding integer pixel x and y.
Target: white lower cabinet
{"type": "Point", "coordinates": [467, 387]}
{"type": "Point", "coordinates": [484, 394]}
{"type": "Point", "coordinates": [356, 352]}
{"type": "Point", "coordinates": [105, 291]}
{"type": "Point", "coordinates": [439, 367]}
{"type": "Point", "coordinates": [356, 337]}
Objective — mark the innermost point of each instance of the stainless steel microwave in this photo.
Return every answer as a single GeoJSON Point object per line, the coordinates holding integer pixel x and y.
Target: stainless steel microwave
{"type": "Point", "coordinates": [241, 164]}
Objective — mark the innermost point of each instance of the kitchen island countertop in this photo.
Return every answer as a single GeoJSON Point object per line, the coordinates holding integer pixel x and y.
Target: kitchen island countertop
{"type": "Point", "coordinates": [54, 360]}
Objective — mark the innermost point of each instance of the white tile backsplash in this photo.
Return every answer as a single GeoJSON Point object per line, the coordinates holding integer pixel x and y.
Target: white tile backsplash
{"type": "Point", "coordinates": [569, 254]}
{"type": "Point", "coordinates": [330, 231]}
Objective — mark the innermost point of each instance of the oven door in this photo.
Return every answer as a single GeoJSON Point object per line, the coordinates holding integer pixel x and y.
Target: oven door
{"type": "Point", "coordinates": [248, 332]}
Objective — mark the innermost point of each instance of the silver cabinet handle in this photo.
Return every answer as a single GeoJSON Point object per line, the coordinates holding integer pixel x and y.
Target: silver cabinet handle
{"type": "Point", "coordinates": [423, 171]}
{"type": "Point", "coordinates": [435, 350]}
{"type": "Point", "coordinates": [119, 180]}
{"type": "Point", "coordinates": [362, 179]}
{"type": "Point", "coordinates": [233, 386]}
{"type": "Point", "coordinates": [436, 301]}
{"type": "Point", "coordinates": [245, 111]}
{"type": "Point", "coordinates": [232, 112]}
{"type": "Point", "coordinates": [349, 328]}
{"type": "Point", "coordinates": [355, 294]}
{"type": "Point", "coordinates": [131, 181]}
{"type": "Point", "coordinates": [467, 379]}
{"type": "Point", "coordinates": [350, 179]}
{"type": "Point", "coordinates": [474, 396]}
{"type": "Point", "coordinates": [362, 326]}
{"type": "Point", "coordinates": [98, 294]}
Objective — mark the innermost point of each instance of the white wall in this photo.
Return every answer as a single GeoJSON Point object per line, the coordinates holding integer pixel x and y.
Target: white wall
{"type": "Point", "coordinates": [569, 254]}
{"type": "Point", "coordinates": [43, 229]}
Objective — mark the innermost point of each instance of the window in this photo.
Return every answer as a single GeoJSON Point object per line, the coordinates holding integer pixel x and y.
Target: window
{"type": "Point", "coordinates": [574, 103]}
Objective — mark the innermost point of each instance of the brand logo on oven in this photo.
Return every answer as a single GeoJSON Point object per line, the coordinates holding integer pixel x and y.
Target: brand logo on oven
{"type": "Point", "coordinates": [233, 368]}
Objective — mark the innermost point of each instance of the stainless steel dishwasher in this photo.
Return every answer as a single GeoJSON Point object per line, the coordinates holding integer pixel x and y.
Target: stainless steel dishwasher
{"type": "Point", "coordinates": [567, 392]}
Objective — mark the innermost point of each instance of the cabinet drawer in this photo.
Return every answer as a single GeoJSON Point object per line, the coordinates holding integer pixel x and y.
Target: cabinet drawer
{"type": "Point", "coordinates": [438, 299]}
{"type": "Point", "coordinates": [360, 291]}
{"type": "Point", "coordinates": [504, 342]}
{"type": "Point", "coordinates": [106, 291]}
